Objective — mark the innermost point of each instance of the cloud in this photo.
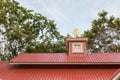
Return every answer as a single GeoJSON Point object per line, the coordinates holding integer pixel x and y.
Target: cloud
{"type": "Point", "coordinates": [26, 4]}
{"type": "Point", "coordinates": [69, 14]}
{"type": "Point", "coordinates": [53, 10]}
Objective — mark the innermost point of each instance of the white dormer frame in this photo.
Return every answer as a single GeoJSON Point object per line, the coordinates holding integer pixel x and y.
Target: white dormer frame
{"type": "Point", "coordinates": [77, 47]}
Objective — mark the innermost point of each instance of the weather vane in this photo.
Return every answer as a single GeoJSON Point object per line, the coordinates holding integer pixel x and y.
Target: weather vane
{"type": "Point", "coordinates": [76, 32]}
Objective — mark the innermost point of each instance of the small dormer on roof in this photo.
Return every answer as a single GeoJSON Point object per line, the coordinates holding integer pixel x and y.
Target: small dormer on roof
{"type": "Point", "coordinates": [77, 46]}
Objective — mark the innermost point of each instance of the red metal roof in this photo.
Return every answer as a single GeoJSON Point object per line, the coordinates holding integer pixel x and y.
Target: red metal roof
{"type": "Point", "coordinates": [115, 74]}
{"type": "Point", "coordinates": [63, 58]}
{"type": "Point", "coordinates": [17, 72]}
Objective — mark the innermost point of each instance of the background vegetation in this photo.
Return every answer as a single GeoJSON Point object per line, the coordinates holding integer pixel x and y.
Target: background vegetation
{"type": "Point", "coordinates": [104, 36]}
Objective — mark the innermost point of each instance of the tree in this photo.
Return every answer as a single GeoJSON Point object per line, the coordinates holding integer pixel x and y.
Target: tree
{"type": "Point", "coordinates": [50, 47]}
{"type": "Point", "coordinates": [22, 29]}
{"type": "Point", "coordinates": [104, 36]}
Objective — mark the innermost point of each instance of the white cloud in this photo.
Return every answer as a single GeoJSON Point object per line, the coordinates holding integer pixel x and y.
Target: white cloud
{"type": "Point", "coordinates": [53, 10]}
{"type": "Point", "coordinates": [72, 13]}
{"type": "Point", "coordinates": [113, 10]}
{"type": "Point", "coordinates": [25, 4]}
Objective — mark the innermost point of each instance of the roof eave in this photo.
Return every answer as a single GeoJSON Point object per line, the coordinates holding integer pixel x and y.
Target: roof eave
{"type": "Point", "coordinates": [70, 63]}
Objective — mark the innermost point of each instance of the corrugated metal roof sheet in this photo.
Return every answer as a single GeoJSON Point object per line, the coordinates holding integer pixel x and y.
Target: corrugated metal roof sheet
{"type": "Point", "coordinates": [98, 58]}
{"type": "Point", "coordinates": [12, 72]}
{"type": "Point", "coordinates": [115, 74]}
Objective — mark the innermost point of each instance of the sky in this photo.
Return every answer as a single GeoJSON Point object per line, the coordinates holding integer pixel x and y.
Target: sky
{"type": "Point", "coordinates": [70, 14]}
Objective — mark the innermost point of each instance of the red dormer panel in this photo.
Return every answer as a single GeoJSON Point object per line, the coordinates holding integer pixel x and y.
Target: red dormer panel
{"type": "Point", "coordinates": [77, 46]}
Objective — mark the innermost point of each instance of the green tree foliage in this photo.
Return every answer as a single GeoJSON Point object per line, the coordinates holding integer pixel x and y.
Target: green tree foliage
{"type": "Point", "coordinates": [48, 47]}
{"type": "Point", "coordinates": [22, 30]}
{"type": "Point", "coordinates": [104, 36]}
